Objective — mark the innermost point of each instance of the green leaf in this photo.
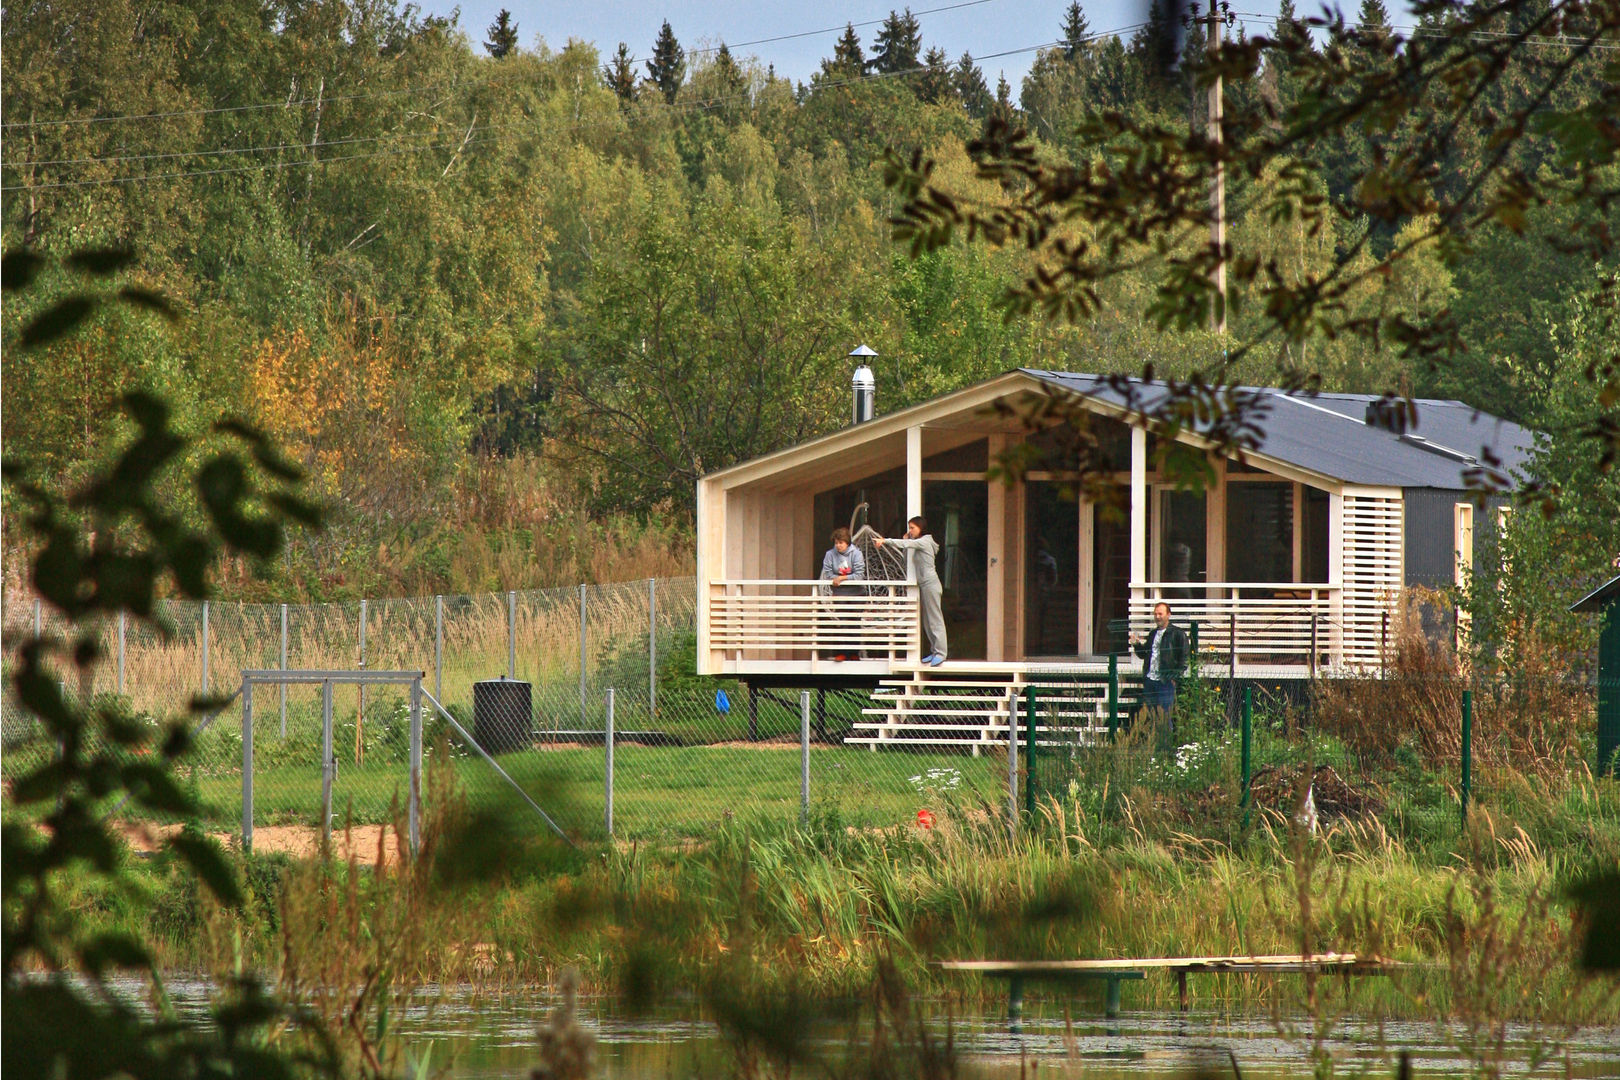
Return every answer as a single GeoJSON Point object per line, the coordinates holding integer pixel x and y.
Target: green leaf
{"type": "Point", "coordinates": [113, 950]}
{"type": "Point", "coordinates": [59, 319]}
{"type": "Point", "coordinates": [19, 268]}
{"type": "Point", "coordinates": [151, 301]}
{"type": "Point", "coordinates": [208, 862]}
{"type": "Point", "coordinates": [100, 261]}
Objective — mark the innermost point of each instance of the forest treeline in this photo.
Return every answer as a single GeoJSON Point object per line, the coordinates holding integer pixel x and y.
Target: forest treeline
{"type": "Point", "coordinates": [506, 301]}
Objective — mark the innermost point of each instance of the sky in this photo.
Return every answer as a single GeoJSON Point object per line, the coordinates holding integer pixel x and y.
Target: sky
{"type": "Point", "coordinates": [982, 27]}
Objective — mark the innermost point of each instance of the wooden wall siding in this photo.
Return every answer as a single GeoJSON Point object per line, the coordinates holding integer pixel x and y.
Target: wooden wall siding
{"type": "Point", "coordinates": [1372, 573]}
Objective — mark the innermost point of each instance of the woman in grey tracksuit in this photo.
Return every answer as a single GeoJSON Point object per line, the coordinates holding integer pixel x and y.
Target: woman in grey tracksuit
{"type": "Point", "coordinates": [924, 549]}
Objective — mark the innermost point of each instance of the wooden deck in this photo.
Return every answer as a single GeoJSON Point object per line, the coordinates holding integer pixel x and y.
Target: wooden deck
{"type": "Point", "coordinates": [1018, 972]}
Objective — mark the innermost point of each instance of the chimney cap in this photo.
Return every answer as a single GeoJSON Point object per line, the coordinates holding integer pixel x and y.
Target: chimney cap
{"type": "Point", "coordinates": [863, 378]}
{"type": "Point", "coordinates": [862, 350]}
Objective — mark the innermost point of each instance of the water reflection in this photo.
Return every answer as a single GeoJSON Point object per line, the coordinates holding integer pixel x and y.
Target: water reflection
{"type": "Point", "coordinates": [488, 1035]}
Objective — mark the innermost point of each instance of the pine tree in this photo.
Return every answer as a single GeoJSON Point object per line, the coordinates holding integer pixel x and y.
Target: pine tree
{"type": "Point", "coordinates": [1076, 31]}
{"type": "Point", "coordinates": [619, 75]}
{"type": "Point", "coordinates": [667, 68]}
{"type": "Point", "coordinates": [728, 76]}
{"type": "Point", "coordinates": [971, 88]}
{"type": "Point", "coordinates": [898, 45]}
{"type": "Point", "coordinates": [1373, 21]}
{"type": "Point", "coordinates": [503, 36]}
{"type": "Point", "coordinates": [1002, 110]}
{"type": "Point", "coordinates": [848, 59]}
{"type": "Point", "coordinates": [934, 84]}
{"type": "Point", "coordinates": [1157, 46]}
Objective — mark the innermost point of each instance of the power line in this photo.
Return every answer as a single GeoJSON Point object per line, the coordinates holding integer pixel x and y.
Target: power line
{"type": "Point", "coordinates": [828, 30]}
{"type": "Point", "coordinates": [686, 106]}
{"type": "Point", "coordinates": [289, 104]}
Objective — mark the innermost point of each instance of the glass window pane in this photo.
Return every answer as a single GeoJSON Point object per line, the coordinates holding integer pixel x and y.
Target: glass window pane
{"type": "Point", "coordinates": [1259, 532]}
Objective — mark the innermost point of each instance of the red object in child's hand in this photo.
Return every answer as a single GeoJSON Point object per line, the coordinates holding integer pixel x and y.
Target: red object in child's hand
{"type": "Point", "coordinates": [925, 819]}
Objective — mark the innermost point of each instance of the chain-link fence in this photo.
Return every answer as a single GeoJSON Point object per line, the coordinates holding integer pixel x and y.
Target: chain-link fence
{"type": "Point", "coordinates": [689, 754]}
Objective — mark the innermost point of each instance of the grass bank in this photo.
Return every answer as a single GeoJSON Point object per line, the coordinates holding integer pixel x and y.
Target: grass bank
{"type": "Point", "coordinates": [1483, 922]}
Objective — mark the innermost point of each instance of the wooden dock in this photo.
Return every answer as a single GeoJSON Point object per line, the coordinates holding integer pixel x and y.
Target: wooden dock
{"type": "Point", "coordinates": [1018, 972]}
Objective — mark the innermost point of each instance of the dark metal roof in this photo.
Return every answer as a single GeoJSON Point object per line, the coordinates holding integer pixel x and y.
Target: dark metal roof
{"type": "Point", "coordinates": [1600, 597]}
{"type": "Point", "coordinates": [1328, 434]}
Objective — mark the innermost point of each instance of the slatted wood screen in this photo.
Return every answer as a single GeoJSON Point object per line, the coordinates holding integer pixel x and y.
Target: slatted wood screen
{"type": "Point", "coordinates": [1372, 574]}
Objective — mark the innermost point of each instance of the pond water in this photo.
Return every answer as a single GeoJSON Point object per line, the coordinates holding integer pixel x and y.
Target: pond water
{"type": "Point", "coordinates": [483, 1035]}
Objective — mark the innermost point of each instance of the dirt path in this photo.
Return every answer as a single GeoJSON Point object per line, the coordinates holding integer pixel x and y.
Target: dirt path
{"type": "Point", "coordinates": [299, 841]}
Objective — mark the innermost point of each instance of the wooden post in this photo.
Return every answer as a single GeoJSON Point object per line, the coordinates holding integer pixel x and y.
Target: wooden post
{"type": "Point", "coordinates": [1139, 509]}
{"type": "Point", "coordinates": [914, 471]}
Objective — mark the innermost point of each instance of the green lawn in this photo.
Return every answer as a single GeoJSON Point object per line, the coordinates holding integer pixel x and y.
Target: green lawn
{"type": "Point", "coordinates": [667, 792]}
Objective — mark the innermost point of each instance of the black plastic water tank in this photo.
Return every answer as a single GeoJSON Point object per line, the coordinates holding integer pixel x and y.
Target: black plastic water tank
{"type": "Point", "coordinates": [503, 715]}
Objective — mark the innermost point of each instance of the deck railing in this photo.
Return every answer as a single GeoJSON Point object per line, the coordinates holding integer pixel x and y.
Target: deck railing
{"type": "Point", "coordinates": [1267, 622]}
{"type": "Point", "coordinates": [803, 624]}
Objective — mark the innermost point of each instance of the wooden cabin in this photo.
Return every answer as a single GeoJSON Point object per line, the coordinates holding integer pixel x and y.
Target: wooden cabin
{"type": "Point", "coordinates": [1288, 562]}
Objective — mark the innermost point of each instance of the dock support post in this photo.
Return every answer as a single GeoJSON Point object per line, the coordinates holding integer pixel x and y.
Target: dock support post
{"type": "Point", "coordinates": [1015, 1004]}
{"type": "Point", "coordinates": [821, 716]}
{"type": "Point", "coordinates": [1111, 1008]}
{"type": "Point", "coordinates": [753, 713]}
{"type": "Point", "coordinates": [1181, 987]}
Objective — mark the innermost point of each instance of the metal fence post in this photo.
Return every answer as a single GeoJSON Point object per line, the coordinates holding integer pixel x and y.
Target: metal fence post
{"type": "Point", "coordinates": [584, 714]}
{"type": "Point", "coordinates": [283, 668]}
{"type": "Point", "coordinates": [1467, 751]}
{"type": "Point", "coordinates": [122, 622]}
{"type": "Point", "coordinates": [416, 765]}
{"type": "Point", "coordinates": [247, 764]}
{"type": "Point", "coordinates": [205, 647]}
{"type": "Point", "coordinates": [1012, 766]}
{"type": "Point", "coordinates": [360, 712]}
{"type": "Point", "coordinates": [511, 634]}
{"type": "Point", "coordinates": [1113, 695]}
{"type": "Point", "coordinates": [1029, 752]}
{"type": "Point", "coordinates": [607, 740]}
{"type": "Point", "coordinates": [328, 767]}
{"type": "Point", "coordinates": [652, 648]}
{"type": "Point", "coordinates": [804, 758]}
{"type": "Point", "coordinates": [438, 648]}
{"type": "Point", "coordinates": [1248, 739]}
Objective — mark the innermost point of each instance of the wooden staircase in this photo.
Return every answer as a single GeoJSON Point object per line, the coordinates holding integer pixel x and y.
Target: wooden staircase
{"type": "Point", "coordinates": [970, 708]}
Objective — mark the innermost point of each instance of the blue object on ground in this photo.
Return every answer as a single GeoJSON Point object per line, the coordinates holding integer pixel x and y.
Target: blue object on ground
{"type": "Point", "coordinates": [722, 703]}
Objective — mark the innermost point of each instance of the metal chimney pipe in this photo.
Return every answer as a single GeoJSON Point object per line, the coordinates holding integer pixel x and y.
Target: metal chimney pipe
{"type": "Point", "coordinates": [864, 386]}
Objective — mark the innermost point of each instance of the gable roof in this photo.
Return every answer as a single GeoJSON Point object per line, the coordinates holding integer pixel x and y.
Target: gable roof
{"type": "Point", "coordinates": [1328, 434]}
{"type": "Point", "coordinates": [1325, 435]}
{"type": "Point", "coordinates": [1600, 597]}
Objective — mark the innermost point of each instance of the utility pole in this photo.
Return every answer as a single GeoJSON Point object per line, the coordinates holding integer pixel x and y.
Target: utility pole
{"type": "Point", "coordinates": [1217, 195]}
